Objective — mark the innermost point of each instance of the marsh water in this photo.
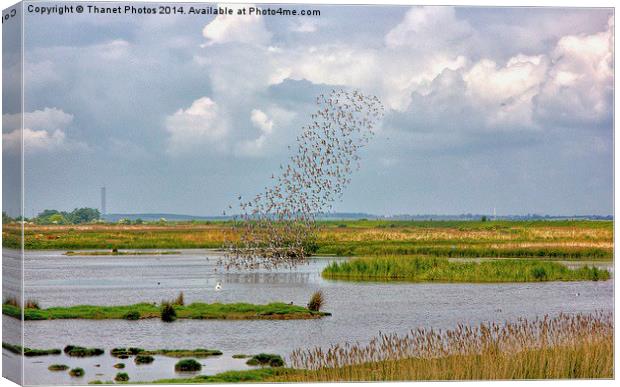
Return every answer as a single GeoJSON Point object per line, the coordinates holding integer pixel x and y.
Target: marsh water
{"type": "Point", "coordinates": [360, 310]}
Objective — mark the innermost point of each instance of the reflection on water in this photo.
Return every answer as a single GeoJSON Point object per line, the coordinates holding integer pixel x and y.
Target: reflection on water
{"type": "Point", "coordinates": [360, 310]}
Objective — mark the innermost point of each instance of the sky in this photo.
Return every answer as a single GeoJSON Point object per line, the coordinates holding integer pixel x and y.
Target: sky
{"type": "Point", "coordinates": [485, 108]}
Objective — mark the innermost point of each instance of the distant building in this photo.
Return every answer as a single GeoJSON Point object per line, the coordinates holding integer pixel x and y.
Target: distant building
{"type": "Point", "coordinates": [103, 209]}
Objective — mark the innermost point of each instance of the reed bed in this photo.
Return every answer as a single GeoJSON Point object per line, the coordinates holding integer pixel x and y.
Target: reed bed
{"type": "Point", "coordinates": [431, 269]}
{"type": "Point", "coordinates": [565, 346]}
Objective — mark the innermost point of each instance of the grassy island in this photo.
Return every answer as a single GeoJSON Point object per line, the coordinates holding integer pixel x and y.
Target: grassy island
{"type": "Point", "coordinates": [29, 352]}
{"type": "Point", "coordinates": [114, 253]}
{"type": "Point", "coordinates": [431, 269]}
{"type": "Point", "coordinates": [197, 352]}
{"type": "Point", "coordinates": [236, 311]}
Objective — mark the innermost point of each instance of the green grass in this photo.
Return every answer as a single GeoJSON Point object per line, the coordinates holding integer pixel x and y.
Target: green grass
{"type": "Point", "coordinates": [29, 352]}
{"type": "Point", "coordinates": [257, 375]}
{"type": "Point", "coordinates": [236, 311]}
{"type": "Point", "coordinates": [425, 269]}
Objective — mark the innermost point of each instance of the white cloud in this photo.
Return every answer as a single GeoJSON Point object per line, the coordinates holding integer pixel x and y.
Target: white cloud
{"type": "Point", "coordinates": [516, 93]}
{"type": "Point", "coordinates": [34, 140]}
{"type": "Point", "coordinates": [304, 26]}
{"type": "Point", "coordinates": [428, 28]}
{"type": "Point", "coordinates": [505, 93]}
{"type": "Point", "coordinates": [199, 125]}
{"type": "Point", "coordinates": [579, 85]}
{"type": "Point", "coordinates": [265, 123]}
{"type": "Point", "coordinates": [44, 130]}
{"type": "Point", "coordinates": [261, 121]}
{"type": "Point", "coordinates": [235, 28]}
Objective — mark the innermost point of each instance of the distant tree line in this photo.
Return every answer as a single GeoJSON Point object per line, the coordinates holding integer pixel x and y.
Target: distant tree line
{"type": "Point", "coordinates": [77, 216]}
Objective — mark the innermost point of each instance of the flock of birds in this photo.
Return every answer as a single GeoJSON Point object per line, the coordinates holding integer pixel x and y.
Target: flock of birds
{"type": "Point", "coordinates": [277, 227]}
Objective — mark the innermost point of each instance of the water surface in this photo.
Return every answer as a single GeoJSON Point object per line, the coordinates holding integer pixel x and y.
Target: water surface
{"type": "Point", "coordinates": [360, 309]}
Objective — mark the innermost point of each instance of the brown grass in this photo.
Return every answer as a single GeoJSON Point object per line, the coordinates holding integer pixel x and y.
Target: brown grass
{"type": "Point", "coordinates": [566, 346]}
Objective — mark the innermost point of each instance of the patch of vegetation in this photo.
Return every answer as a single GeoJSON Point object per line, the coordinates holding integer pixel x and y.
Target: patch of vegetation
{"type": "Point", "coordinates": [168, 314]}
{"type": "Point", "coordinates": [144, 359]}
{"type": "Point", "coordinates": [131, 351]}
{"type": "Point", "coordinates": [180, 300]}
{"type": "Point", "coordinates": [198, 352]}
{"type": "Point", "coordinates": [77, 216]}
{"type": "Point", "coordinates": [236, 311]}
{"type": "Point", "coordinates": [266, 359]}
{"type": "Point", "coordinates": [76, 351]}
{"type": "Point", "coordinates": [77, 372]}
{"type": "Point", "coordinates": [187, 365]}
{"type": "Point", "coordinates": [58, 367]}
{"type": "Point", "coordinates": [121, 377]}
{"type": "Point", "coordinates": [425, 269]}
{"type": "Point", "coordinates": [119, 366]}
{"type": "Point", "coordinates": [317, 301]}
{"type": "Point", "coordinates": [29, 352]}
{"type": "Point", "coordinates": [32, 304]}
{"type": "Point", "coordinates": [240, 356]}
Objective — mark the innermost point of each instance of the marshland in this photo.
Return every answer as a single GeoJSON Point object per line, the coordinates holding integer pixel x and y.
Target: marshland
{"type": "Point", "coordinates": [575, 258]}
{"type": "Point", "coordinates": [559, 240]}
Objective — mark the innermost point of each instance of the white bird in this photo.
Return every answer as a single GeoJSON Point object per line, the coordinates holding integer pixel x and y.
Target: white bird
{"type": "Point", "coordinates": [218, 286]}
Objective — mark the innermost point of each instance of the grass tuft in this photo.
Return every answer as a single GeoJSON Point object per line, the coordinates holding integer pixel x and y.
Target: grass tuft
{"type": "Point", "coordinates": [180, 300]}
{"type": "Point", "coordinates": [266, 359]}
{"type": "Point", "coordinates": [187, 365]}
{"type": "Point", "coordinates": [317, 301]}
{"type": "Point", "coordinates": [144, 359]}
{"type": "Point", "coordinates": [121, 377]}
{"type": "Point", "coordinates": [168, 314]}
{"type": "Point", "coordinates": [77, 372]}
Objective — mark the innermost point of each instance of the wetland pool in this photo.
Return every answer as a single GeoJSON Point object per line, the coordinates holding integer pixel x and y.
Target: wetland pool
{"type": "Point", "coordinates": [360, 310]}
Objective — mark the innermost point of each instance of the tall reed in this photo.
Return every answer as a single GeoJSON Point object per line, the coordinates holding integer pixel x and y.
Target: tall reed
{"type": "Point", "coordinates": [565, 346]}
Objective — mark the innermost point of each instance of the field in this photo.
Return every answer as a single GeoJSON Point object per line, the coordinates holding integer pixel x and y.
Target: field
{"type": "Point", "coordinates": [238, 311]}
{"type": "Point", "coordinates": [433, 269]}
{"type": "Point", "coordinates": [561, 240]}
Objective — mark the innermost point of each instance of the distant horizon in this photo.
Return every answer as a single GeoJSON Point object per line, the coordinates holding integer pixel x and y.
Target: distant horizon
{"type": "Point", "coordinates": [373, 215]}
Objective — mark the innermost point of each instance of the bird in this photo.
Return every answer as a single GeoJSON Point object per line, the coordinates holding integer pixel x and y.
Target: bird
{"type": "Point", "coordinates": [218, 286]}
{"type": "Point", "coordinates": [274, 225]}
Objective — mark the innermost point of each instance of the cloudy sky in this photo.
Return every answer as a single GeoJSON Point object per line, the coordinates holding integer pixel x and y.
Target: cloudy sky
{"type": "Point", "coordinates": [506, 108]}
